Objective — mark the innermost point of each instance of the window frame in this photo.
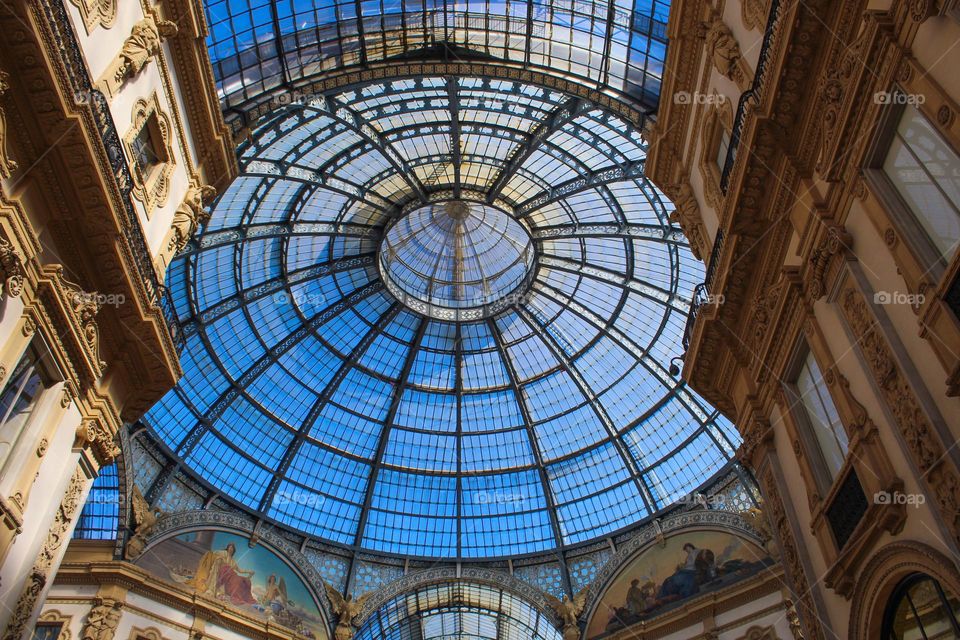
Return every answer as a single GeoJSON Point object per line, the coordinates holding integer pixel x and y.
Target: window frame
{"type": "Point", "coordinates": [902, 216]}
{"type": "Point", "coordinates": [824, 479]}
{"type": "Point", "coordinates": [901, 591]}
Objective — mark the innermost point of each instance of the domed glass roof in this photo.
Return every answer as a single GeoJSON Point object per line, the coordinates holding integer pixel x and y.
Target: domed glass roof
{"type": "Point", "coordinates": [504, 389]}
{"type": "Point", "coordinates": [457, 259]}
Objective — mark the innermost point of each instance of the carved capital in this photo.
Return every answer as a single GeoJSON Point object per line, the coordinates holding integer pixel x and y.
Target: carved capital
{"type": "Point", "coordinates": [11, 270]}
{"type": "Point", "coordinates": [94, 435]}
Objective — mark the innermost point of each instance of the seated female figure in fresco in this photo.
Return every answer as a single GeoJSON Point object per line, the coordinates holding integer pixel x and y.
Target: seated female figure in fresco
{"type": "Point", "coordinates": [219, 575]}
{"type": "Point", "coordinates": [698, 568]}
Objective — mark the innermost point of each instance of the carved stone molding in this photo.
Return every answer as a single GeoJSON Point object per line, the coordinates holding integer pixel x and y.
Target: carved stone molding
{"type": "Point", "coordinates": [883, 573]}
{"type": "Point", "coordinates": [152, 190]}
{"type": "Point", "coordinates": [915, 426]}
{"type": "Point", "coordinates": [140, 47]}
{"type": "Point", "coordinates": [7, 164]}
{"type": "Point", "coordinates": [11, 268]}
{"type": "Point", "coordinates": [790, 555]}
{"type": "Point", "coordinates": [687, 215]}
{"type": "Point", "coordinates": [724, 52]}
{"type": "Point", "coordinates": [101, 441]}
{"type": "Point", "coordinates": [190, 215]}
{"type": "Point", "coordinates": [49, 554]}
{"type": "Point", "coordinates": [54, 616]}
{"type": "Point", "coordinates": [754, 13]}
{"type": "Point", "coordinates": [96, 13]}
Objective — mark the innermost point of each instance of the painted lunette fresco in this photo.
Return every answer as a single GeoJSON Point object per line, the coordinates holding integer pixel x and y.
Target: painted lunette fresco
{"type": "Point", "coordinates": [223, 566]}
{"type": "Point", "coordinates": [663, 576]}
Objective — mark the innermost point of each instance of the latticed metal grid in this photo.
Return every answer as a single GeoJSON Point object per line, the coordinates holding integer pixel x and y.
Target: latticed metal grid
{"type": "Point", "coordinates": [258, 46]}
{"type": "Point", "coordinates": [316, 399]}
{"type": "Point", "coordinates": [100, 517]}
{"type": "Point", "coordinates": [458, 610]}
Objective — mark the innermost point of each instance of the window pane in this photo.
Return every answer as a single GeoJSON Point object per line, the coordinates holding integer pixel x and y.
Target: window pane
{"type": "Point", "coordinates": [926, 173]}
{"type": "Point", "coordinates": [822, 415]}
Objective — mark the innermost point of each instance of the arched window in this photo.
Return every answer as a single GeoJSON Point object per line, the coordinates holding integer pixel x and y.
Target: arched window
{"type": "Point", "coordinates": [920, 609]}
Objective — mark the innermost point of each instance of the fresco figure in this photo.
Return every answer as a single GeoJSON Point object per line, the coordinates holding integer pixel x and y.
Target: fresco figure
{"type": "Point", "coordinates": [219, 575]}
{"type": "Point", "coordinates": [698, 567]}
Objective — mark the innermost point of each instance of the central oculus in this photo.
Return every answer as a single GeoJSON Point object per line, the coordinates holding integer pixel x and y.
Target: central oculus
{"type": "Point", "coordinates": [457, 260]}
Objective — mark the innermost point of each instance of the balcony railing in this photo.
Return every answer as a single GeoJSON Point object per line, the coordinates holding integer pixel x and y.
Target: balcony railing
{"type": "Point", "coordinates": [704, 292]}
{"type": "Point", "coordinates": [754, 93]}
{"type": "Point", "coordinates": [85, 93]}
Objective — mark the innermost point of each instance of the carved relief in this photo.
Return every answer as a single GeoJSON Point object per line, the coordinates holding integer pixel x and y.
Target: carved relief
{"type": "Point", "coordinates": [54, 616]}
{"type": "Point", "coordinates": [190, 215]}
{"type": "Point", "coordinates": [103, 443]}
{"type": "Point", "coordinates": [687, 215]}
{"type": "Point", "coordinates": [141, 46]}
{"type": "Point", "coordinates": [145, 518]}
{"type": "Point", "coordinates": [754, 13]}
{"type": "Point", "coordinates": [718, 120]}
{"type": "Point", "coordinates": [11, 270]}
{"type": "Point", "coordinates": [103, 619]}
{"type": "Point", "coordinates": [39, 574]}
{"type": "Point", "coordinates": [724, 51]}
{"type": "Point", "coordinates": [96, 13]}
{"type": "Point", "coordinates": [152, 187]}
{"type": "Point", "coordinates": [909, 416]}
{"type": "Point", "coordinates": [7, 165]}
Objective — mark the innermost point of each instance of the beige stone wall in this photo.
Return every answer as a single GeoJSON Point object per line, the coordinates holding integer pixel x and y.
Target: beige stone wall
{"type": "Point", "coordinates": [812, 253]}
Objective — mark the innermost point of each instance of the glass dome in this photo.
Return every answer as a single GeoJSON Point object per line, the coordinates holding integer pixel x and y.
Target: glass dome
{"type": "Point", "coordinates": [318, 398]}
{"type": "Point", "coordinates": [458, 610]}
{"type": "Point", "coordinates": [456, 259]}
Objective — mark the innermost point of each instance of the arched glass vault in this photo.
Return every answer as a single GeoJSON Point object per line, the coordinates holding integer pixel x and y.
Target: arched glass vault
{"type": "Point", "coordinates": [318, 398]}
{"type": "Point", "coordinates": [258, 46]}
{"type": "Point", "coordinates": [458, 610]}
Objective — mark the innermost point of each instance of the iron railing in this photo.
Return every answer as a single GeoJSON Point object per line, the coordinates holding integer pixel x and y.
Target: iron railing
{"type": "Point", "coordinates": [703, 292]}
{"type": "Point", "coordinates": [84, 93]}
{"type": "Point", "coordinates": [753, 93]}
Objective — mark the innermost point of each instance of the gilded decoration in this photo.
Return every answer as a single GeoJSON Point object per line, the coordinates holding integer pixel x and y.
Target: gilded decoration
{"type": "Point", "coordinates": [347, 609]}
{"type": "Point", "coordinates": [153, 188]}
{"type": "Point", "coordinates": [94, 434]}
{"type": "Point", "coordinates": [7, 164]}
{"type": "Point", "coordinates": [569, 610]}
{"type": "Point", "coordinates": [96, 13]}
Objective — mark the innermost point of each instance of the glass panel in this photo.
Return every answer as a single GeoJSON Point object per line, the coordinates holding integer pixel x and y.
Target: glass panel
{"type": "Point", "coordinates": [17, 401]}
{"type": "Point", "coordinates": [347, 355]}
{"type": "Point", "coordinates": [926, 173]}
{"type": "Point", "coordinates": [822, 415]}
